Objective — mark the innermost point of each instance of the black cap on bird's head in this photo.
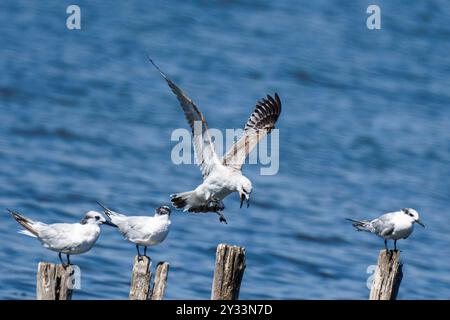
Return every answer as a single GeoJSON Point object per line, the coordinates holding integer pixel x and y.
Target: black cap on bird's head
{"type": "Point", "coordinates": [163, 210]}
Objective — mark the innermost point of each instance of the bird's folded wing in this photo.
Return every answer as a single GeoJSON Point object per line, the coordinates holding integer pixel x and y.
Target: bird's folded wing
{"type": "Point", "coordinates": [203, 145]}
{"type": "Point", "coordinates": [58, 235]}
{"type": "Point", "coordinates": [260, 123]}
{"type": "Point", "coordinates": [140, 227]}
{"type": "Point", "coordinates": [382, 226]}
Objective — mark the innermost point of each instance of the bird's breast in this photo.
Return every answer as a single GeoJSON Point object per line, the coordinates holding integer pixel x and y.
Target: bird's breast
{"type": "Point", "coordinates": [402, 231]}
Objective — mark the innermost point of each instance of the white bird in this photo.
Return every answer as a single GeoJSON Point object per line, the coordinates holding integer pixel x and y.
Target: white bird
{"type": "Point", "coordinates": [391, 226]}
{"type": "Point", "coordinates": [142, 230]}
{"type": "Point", "coordinates": [221, 176]}
{"type": "Point", "coordinates": [67, 238]}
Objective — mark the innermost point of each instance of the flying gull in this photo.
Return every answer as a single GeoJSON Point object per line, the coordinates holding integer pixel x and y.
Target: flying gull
{"type": "Point", "coordinates": [221, 176]}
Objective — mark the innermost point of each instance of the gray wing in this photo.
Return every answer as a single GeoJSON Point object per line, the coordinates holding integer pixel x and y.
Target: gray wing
{"type": "Point", "coordinates": [203, 145]}
{"type": "Point", "coordinates": [260, 123]}
{"type": "Point", "coordinates": [58, 235]}
{"type": "Point", "coordinates": [382, 225]}
{"type": "Point", "coordinates": [138, 227]}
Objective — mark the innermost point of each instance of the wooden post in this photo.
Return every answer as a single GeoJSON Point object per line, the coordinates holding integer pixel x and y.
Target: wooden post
{"type": "Point", "coordinates": [159, 286]}
{"type": "Point", "coordinates": [140, 278]}
{"type": "Point", "coordinates": [54, 282]}
{"type": "Point", "coordinates": [228, 272]}
{"type": "Point", "coordinates": [388, 276]}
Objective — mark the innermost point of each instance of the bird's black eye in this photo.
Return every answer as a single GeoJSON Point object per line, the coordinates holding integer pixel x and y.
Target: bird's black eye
{"type": "Point", "coordinates": [97, 218]}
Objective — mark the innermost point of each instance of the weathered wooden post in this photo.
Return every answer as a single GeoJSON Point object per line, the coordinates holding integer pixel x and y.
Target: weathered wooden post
{"type": "Point", "coordinates": [54, 282]}
{"type": "Point", "coordinates": [388, 276]}
{"type": "Point", "coordinates": [228, 272]}
{"type": "Point", "coordinates": [159, 286]}
{"type": "Point", "coordinates": [140, 278]}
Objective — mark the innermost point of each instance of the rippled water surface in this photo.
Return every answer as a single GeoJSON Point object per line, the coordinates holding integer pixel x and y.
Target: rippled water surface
{"type": "Point", "coordinates": [364, 130]}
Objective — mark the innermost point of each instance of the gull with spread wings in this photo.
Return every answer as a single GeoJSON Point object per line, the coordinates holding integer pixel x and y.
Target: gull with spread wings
{"type": "Point", "coordinates": [221, 176]}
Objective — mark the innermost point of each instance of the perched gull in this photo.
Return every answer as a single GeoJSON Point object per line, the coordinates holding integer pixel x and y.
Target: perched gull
{"type": "Point", "coordinates": [67, 238]}
{"type": "Point", "coordinates": [141, 230]}
{"type": "Point", "coordinates": [221, 176]}
{"type": "Point", "coordinates": [391, 226]}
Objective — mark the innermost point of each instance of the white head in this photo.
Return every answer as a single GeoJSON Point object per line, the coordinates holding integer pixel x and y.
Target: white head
{"type": "Point", "coordinates": [244, 187]}
{"type": "Point", "coordinates": [94, 217]}
{"type": "Point", "coordinates": [413, 214]}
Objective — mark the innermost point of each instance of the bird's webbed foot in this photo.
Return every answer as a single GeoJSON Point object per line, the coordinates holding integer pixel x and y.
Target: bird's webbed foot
{"type": "Point", "coordinates": [216, 206]}
{"type": "Point", "coordinates": [221, 217]}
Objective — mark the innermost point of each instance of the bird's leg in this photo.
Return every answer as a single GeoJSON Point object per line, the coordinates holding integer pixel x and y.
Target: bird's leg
{"type": "Point", "coordinates": [221, 217]}
{"type": "Point", "coordinates": [60, 259]}
{"type": "Point", "coordinates": [385, 245]}
{"type": "Point", "coordinates": [68, 259]}
{"type": "Point", "coordinates": [145, 251]}
{"type": "Point", "coordinates": [139, 253]}
{"type": "Point", "coordinates": [395, 245]}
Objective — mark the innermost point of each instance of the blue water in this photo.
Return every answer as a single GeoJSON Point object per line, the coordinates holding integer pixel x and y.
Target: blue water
{"type": "Point", "coordinates": [364, 130]}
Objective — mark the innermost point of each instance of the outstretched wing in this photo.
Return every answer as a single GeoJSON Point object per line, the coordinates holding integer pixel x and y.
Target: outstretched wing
{"type": "Point", "coordinates": [260, 123]}
{"type": "Point", "coordinates": [203, 145]}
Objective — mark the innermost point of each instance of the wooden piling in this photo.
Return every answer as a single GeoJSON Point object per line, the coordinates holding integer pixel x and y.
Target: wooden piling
{"type": "Point", "coordinates": [159, 285]}
{"type": "Point", "coordinates": [54, 282]}
{"type": "Point", "coordinates": [228, 272]}
{"type": "Point", "coordinates": [140, 278]}
{"type": "Point", "coordinates": [388, 276]}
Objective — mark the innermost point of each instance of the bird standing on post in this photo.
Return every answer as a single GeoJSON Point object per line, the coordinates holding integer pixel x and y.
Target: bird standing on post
{"type": "Point", "coordinates": [67, 238]}
{"type": "Point", "coordinates": [221, 176]}
{"type": "Point", "coordinates": [141, 230]}
{"type": "Point", "coordinates": [391, 226]}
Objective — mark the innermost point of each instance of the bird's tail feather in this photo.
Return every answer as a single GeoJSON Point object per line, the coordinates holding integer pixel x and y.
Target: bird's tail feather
{"type": "Point", "coordinates": [26, 223]}
{"type": "Point", "coordinates": [27, 233]}
{"type": "Point", "coordinates": [106, 210]}
{"type": "Point", "coordinates": [183, 200]}
{"type": "Point", "coordinates": [360, 225]}
{"type": "Point", "coordinates": [189, 201]}
{"type": "Point", "coordinates": [115, 217]}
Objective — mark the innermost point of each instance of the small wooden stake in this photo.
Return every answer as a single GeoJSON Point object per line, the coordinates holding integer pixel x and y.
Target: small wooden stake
{"type": "Point", "coordinates": [54, 282]}
{"type": "Point", "coordinates": [140, 278]}
{"type": "Point", "coordinates": [159, 286]}
{"type": "Point", "coordinates": [388, 276]}
{"type": "Point", "coordinates": [229, 269]}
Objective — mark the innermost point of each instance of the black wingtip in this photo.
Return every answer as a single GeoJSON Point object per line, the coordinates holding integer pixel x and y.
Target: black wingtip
{"type": "Point", "coordinates": [152, 62]}
{"type": "Point", "coordinates": [101, 205]}
{"type": "Point", "coordinates": [277, 101]}
{"type": "Point", "coordinates": [16, 215]}
{"type": "Point", "coordinates": [277, 98]}
{"type": "Point", "coordinates": [157, 68]}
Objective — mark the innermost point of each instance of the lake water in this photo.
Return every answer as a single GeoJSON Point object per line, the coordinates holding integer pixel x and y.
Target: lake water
{"type": "Point", "coordinates": [365, 129]}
